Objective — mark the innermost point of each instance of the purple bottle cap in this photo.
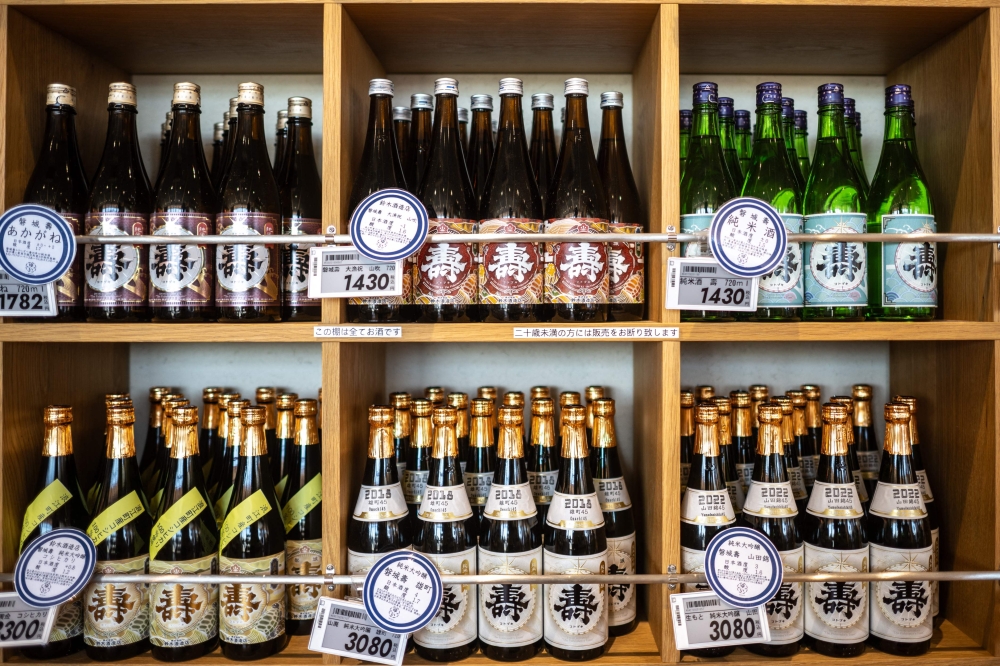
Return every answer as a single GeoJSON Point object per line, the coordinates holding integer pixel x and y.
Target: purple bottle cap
{"type": "Point", "coordinates": [726, 107]}
{"type": "Point", "coordinates": [768, 93]}
{"type": "Point", "coordinates": [742, 119]}
{"type": "Point", "coordinates": [685, 119]}
{"type": "Point", "coordinates": [787, 107]}
{"type": "Point", "coordinates": [830, 93]}
{"type": "Point", "coordinates": [801, 120]}
{"type": "Point", "coordinates": [897, 95]}
{"type": "Point", "coordinates": [705, 92]}
{"type": "Point", "coordinates": [849, 107]}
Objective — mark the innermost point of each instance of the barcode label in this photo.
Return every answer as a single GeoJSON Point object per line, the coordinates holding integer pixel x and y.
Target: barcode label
{"type": "Point", "coordinates": [701, 283]}
{"type": "Point", "coordinates": [702, 603]}
{"type": "Point", "coordinates": [343, 272]}
{"type": "Point", "coordinates": [704, 620]}
{"type": "Point", "coordinates": [701, 269]}
{"type": "Point", "coordinates": [342, 257]}
{"type": "Point", "coordinates": [343, 628]}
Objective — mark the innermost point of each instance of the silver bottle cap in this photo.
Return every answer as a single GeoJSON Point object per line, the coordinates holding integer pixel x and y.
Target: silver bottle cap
{"type": "Point", "coordinates": [225, 118]}
{"type": "Point", "coordinates": [577, 87]}
{"type": "Point", "coordinates": [282, 120]}
{"type": "Point", "coordinates": [463, 115]}
{"type": "Point", "coordinates": [300, 107]}
{"type": "Point", "coordinates": [58, 93]}
{"type": "Point", "coordinates": [511, 86]}
{"type": "Point", "coordinates": [612, 99]}
{"type": "Point", "coordinates": [187, 93]}
{"type": "Point", "coordinates": [542, 101]}
{"type": "Point", "coordinates": [482, 102]}
{"type": "Point", "coordinates": [233, 103]}
{"type": "Point", "coordinates": [495, 125]}
{"type": "Point", "coordinates": [402, 113]}
{"type": "Point", "coordinates": [446, 86]}
{"type": "Point", "coordinates": [380, 87]}
{"type": "Point", "coordinates": [421, 101]}
{"type": "Point", "coordinates": [251, 93]}
{"type": "Point", "coordinates": [219, 128]}
{"type": "Point", "coordinates": [121, 93]}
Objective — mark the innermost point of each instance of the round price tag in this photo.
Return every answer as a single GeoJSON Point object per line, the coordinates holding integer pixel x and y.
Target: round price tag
{"type": "Point", "coordinates": [743, 567]}
{"type": "Point", "coordinates": [54, 568]}
{"type": "Point", "coordinates": [36, 244]}
{"type": "Point", "coordinates": [402, 592]}
{"type": "Point", "coordinates": [748, 237]}
{"type": "Point", "coordinates": [388, 225]}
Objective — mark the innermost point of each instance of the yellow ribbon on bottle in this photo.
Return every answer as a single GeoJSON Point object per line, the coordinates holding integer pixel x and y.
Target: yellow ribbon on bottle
{"type": "Point", "coordinates": [44, 505]}
{"type": "Point", "coordinates": [243, 515]}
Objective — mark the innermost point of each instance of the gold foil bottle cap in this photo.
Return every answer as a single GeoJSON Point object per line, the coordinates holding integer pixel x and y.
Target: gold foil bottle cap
{"type": "Point", "coordinates": [687, 399]}
{"type": "Point", "coordinates": [185, 415]}
{"type": "Point", "coordinates": [422, 407]}
{"type": "Point", "coordinates": [783, 402]}
{"type": "Point", "coordinates": [797, 397]}
{"type": "Point", "coordinates": [907, 400]}
{"type": "Point", "coordinates": [266, 394]}
{"type": "Point", "coordinates": [109, 397]}
{"type": "Point", "coordinates": [287, 400]}
{"type": "Point", "coordinates": [758, 392]}
{"type": "Point", "coordinates": [706, 413]}
{"type": "Point", "coordinates": [594, 392]}
{"type": "Point", "coordinates": [836, 430]}
{"type": "Point", "coordinates": [706, 442]}
{"type": "Point", "coordinates": [305, 407]}
{"type": "Point", "coordinates": [488, 392]}
{"type": "Point", "coordinates": [704, 393]}
{"type": "Point", "coordinates": [514, 399]}
{"type": "Point", "coordinates": [58, 415]}
{"type": "Point", "coordinates": [542, 407]}
{"type": "Point", "coordinates": [157, 393]}
{"type": "Point", "coordinates": [897, 413]}
{"type": "Point", "coordinates": [574, 415]}
{"type": "Point", "coordinates": [252, 415]}
{"type": "Point", "coordinates": [444, 416]}
{"type": "Point", "coordinates": [569, 398]}
{"type": "Point", "coordinates": [435, 394]}
{"type": "Point", "coordinates": [210, 394]}
{"type": "Point", "coordinates": [604, 407]}
{"type": "Point", "coordinates": [845, 400]}
{"type": "Point", "coordinates": [540, 392]}
{"type": "Point", "coordinates": [458, 400]}
{"type": "Point", "coordinates": [380, 415]}
{"type": "Point", "coordinates": [510, 416]}
{"type": "Point", "coordinates": [235, 408]}
{"type": "Point", "coordinates": [121, 93]}
{"type": "Point", "coordinates": [121, 416]}
{"type": "Point", "coordinates": [769, 413]}
{"type": "Point", "coordinates": [482, 407]}
{"type": "Point", "coordinates": [739, 398]}
{"type": "Point", "coordinates": [861, 392]}
{"type": "Point", "coordinates": [226, 398]}
{"type": "Point", "coordinates": [400, 400]}
{"type": "Point", "coordinates": [811, 391]}
{"type": "Point", "coordinates": [834, 413]}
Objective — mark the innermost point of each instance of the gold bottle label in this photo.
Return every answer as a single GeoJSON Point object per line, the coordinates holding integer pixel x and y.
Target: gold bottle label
{"type": "Point", "coordinates": [303, 558]}
{"type": "Point", "coordinates": [184, 614]}
{"type": "Point", "coordinates": [252, 613]}
{"type": "Point", "coordinates": [117, 614]}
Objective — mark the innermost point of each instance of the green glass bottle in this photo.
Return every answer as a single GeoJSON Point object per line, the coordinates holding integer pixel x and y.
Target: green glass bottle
{"type": "Point", "coordinates": [744, 139]}
{"type": "Point", "coordinates": [788, 132]}
{"type": "Point", "coordinates": [860, 153]}
{"type": "Point", "coordinates": [705, 185]}
{"type": "Point", "coordinates": [835, 274]}
{"type": "Point", "coordinates": [802, 142]}
{"type": "Point", "coordinates": [727, 134]}
{"type": "Point", "coordinates": [854, 141]}
{"type": "Point", "coordinates": [685, 136]}
{"type": "Point", "coordinates": [903, 275]}
{"type": "Point", "coordinates": [771, 177]}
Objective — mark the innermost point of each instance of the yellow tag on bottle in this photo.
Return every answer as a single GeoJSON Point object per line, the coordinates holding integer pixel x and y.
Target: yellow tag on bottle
{"type": "Point", "coordinates": [175, 518]}
{"type": "Point", "coordinates": [51, 498]}
{"type": "Point", "coordinates": [301, 503]}
{"type": "Point", "coordinates": [222, 505]}
{"type": "Point", "coordinates": [243, 514]}
{"type": "Point", "coordinates": [115, 517]}
{"type": "Point", "coordinates": [279, 490]}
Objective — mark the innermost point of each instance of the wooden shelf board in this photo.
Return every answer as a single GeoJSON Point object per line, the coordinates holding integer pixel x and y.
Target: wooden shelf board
{"type": "Point", "coordinates": [838, 331]}
{"type": "Point", "coordinates": [283, 332]}
{"type": "Point", "coordinates": [294, 653]}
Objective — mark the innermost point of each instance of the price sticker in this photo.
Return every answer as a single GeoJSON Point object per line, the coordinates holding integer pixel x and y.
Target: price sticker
{"type": "Point", "coordinates": [36, 244]}
{"type": "Point", "coordinates": [702, 620]}
{"type": "Point", "coordinates": [22, 624]}
{"type": "Point", "coordinates": [343, 628]}
{"type": "Point", "coordinates": [747, 236]}
{"type": "Point", "coordinates": [743, 567]}
{"type": "Point", "coordinates": [389, 224]}
{"type": "Point", "coordinates": [403, 592]}
{"type": "Point", "coordinates": [701, 283]}
{"type": "Point", "coordinates": [18, 299]}
{"type": "Point", "coordinates": [342, 271]}
{"type": "Point", "coordinates": [55, 567]}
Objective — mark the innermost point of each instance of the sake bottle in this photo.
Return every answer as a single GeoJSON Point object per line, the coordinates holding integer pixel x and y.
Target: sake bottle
{"type": "Point", "coordinates": [418, 458]}
{"type": "Point", "coordinates": [463, 128]}
{"type": "Point", "coordinates": [283, 452]}
{"type": "Point", "coordinates": [591, 395]}
{"type": "Point", "coordinates": [421, 106]}
{"type": "Point", "coordinates": [478, 471]}
{"type": "Point", "coordinates": [788, 132]}
{"type": "Point", "coordinates": [157, 490]}
{"type": "Point", "coordinates": [684, 138]}
{"type": "Point", "coordinates": [267, 397]}
{"type": "Point", "coordinates": [219, 451]}
{"type": "Point", "coordinates": [401, 429]}
{"type": "Point", "coordinates": [758, 395]}
{"type": "Point", "coordinates": [865, 442]}
{"type": "Point", "coordinates": [727, 137]}
{"type": "Point", "coordinates": [154, 435]}
{"type": "Point", "coordinates": [804, 442]}
{"type": "Point", "coordinates": [744, 443]}
{"type": "Point", "coordinates": [792, 466]}
{"type": "Point", "coordinates": [857, 155]}
{"type": "Point", "coordinates": [480, 154]}
{"type": "Point", "coordinates": [280, 142]}
{"type": "Point", "coordinates": [460, 403]}
{"type": "Point", "coordinates": [218, 150]}
{"type": "Point", "coordinates": [687, 436]}
{"type": "Point", "coordinates": [402, 122]}
{"type": "Point", "coordinates": [801, 129]}
{"type": "Point", "coordinates": [229, 469]}
{"type": "Point", "coordinates": [854, 141]}
{"type": "Point", "coordinates": [744, 140]}
{"type": "Point", "coordinates": [543, 463]}
{"type": "Point", "coordinates": [727, 453]}
{"type": "Point", "coordinates": [543, 152]}
{"type": "Point", "coordinates": [208, 434]}
{"type": "Point", "coordinates": [814, 426]}
{"type": "Point", "coordinates": [852, 454]}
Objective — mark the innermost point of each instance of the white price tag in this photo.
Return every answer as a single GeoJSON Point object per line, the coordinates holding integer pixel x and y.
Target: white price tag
{"type": "Point", "coordinates": [341, 272]}
{"type": "Point", "coordinates": [702, 620]}
{"type": "Point", "coordinates": [343, 628]}
{"type": "Point", "coordinates": [701, 283]}
{"type": "Point", "coordinates": [18, 299]}
{"type": "Point", "coordinates": [22, 624]}
{"type": "Point", "coordinates": [748, 237]}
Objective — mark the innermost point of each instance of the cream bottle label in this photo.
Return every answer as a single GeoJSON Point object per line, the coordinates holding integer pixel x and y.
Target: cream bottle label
{"type": "Point", "coordinates": [252, 613]}
{"type": "Point", "coordinates": [612, 494]}
{"type": "Point", "coordinates": [117, 614]}
{"type": "Point", "coordinates": [575, 512]}
{"type": "Point", "coordinates": [576, 616]}
{"type": "Point", "coordinates": [303, 558]}
{"type": "Point", "coordinates": [798, 483]}
{"type": "Point", "coordinates": [621, 596]}
{"type": "Point", "coordinates": [510, 615]}
{"type": "Point", "coordinates": [707, 507]}
{"type": "Point", "coordinates": [902, 501]}
{"type": "Point", "coordinates": [380, 503]}
{"type": "Point", "coordinates": [509, 502]}
{"type": "Point", "coordinates": [837, 612]}
{"type": "Point", "coordinates": [770, 500]}
{"type": "Point", "coordinates": [184, 614]}
{"type": "Point", "coordinates": [901, 610]}
{"type": "Point", "coordinates": [444, 504]}
{"type": "Point", "coordinates": [784, 611]}
{"type": "Point", "coordinates": [477, 486]}
{"type": "Point", "coordinates": [455, 622]}
{"type": "Point", "coordinates": [543, 485]}
{"type": "Point", "coordinates": [830, 500]}
{"type": "Point", "coordinates": [414, 485]}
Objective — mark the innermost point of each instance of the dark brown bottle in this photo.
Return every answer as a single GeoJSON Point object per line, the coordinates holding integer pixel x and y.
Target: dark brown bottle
{"type": "Point", "coordinates": [727, 453]}
{"type": "Point", "coordinates": [218, 150]}
{"type": "Point", "coordinates": [814, 429]}
{"type": "Point", "coordinates": [480, 154]}
{"type": "Point", "coordinates": [247, 276]}
{"type": "Point", "coordinates": [792, 467]}
{"type": "Point", "coordinates": [379, 170]}
{"type": "Point", "coordinates": [165, 130]}
{"type": "Point", "coordinates": [232, 120]}
{"type": "Point", "coordinates": [477, 472]}
{"type": "Point", "coordinates": [511, 275]}
{"type": "Point", "coordinates": [544, 153]}
{"type": "Point", "coordinates": [58, 182]}
{"type": "Point", "coordinates": [267, 397]}
{"type": "Point", "coordinates": [627, 264]}
{"type": "Point", "coordinates": [444, 276]}
{"type": "Point", "coordinates": [400, 403]}
{"type": "Point", "coordinates": [158, 483]}
{"type": "Point", "coordinates": [543, 461]}
{"type": "Point", "coordinates": [591, 394]}
{"type": "Point", "coordinates": [220, 446]}
{"type": "Point", "coordinates": [576, 280]}
{"type": "Point", "coordinates": [208, 434]}
{"type": "Point", "coordinates": [803, 439]}
{"type": "Point", "coordinates": [463, 128]}
{"type": "Point", "coordinates": [283, 450]}
{"type": "Point", "coordinates": [154, 436]}
{"type": "Point", "coordinates": [743, 440]}
{"type": "Point", "coordinates": [687, 436]}
{"type": "Point", "coordinates": [460, 403]}
{"type": "Point", "coordinates": [401, 123]}
{"type": "Point", "coordinates": [418, 458]}
{"type": "Point", "coordinates": [115, 279]}
{"type": "Point", "coordinates": [421, 106]}
{"type": "Point", "coordinates": [490, 393]}
{"type": "Point", "coordinates": [852, 454]}
{"type": "Point", "coordinates": [301, 191]}
{"type": "Point", "coordinates": [280, 144]}
{"type": "Point", "coordinates": [865, 441]}
{"type": "Point", "coordinates": [181, 277]}
{"type": "Point", "coordinates": [225, 481]}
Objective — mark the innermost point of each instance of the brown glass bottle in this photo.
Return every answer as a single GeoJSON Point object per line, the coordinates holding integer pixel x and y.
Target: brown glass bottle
{"type": "Point", "coordinates": [626, 271]}
{"type": "Point", "coordinates": [301, 191]}
{"type": "Point", "coordinates": [400, 403]}
{"type": "Point", "coordinates": [232, 120]}
{"type": "Point", "coordinates": [220, 446]}
{"type": "Point", "coordinates": [280, 145]}
{"type": "Point", "coordinates": [544, 154]}
{"type": "Point", "coordinates": [687, 436]}
{"type": "Point", "coordinates": [477, 472]}
{"type": "Point", "coordinates": [865, 441]}
{"type": "Point", "coordinates": [115, 278]}
{"type": "Point", "coordinates": [463, 128]}
{"type": "Point", "coordinates": [480, 154]}
{"type": "Point", "coordinates": [401, 123]}
{"type": "Point", "coordinates": [852, 454]}
{"type": "Point", "coordinates": [218, 150]}
{"type": "Point", "coordinates": [283, 450]}
{"type": "Point", "coordinates": [155, 491]}
{"type": "Point", "coordinates": [444, 275]}
{"type": "Point", "coordinates": [421, 106]}
{"type": "Point", "coordinates": [759, 395]}
{"type": "Point", "coordinates": [576, 282]}
{"type": "Point", "coordinates": [58, 182]}
{"type": "Point", "coordinates": [208, 433]}
{"type": "Point", "coordinates": [267, 397]}
{"type": "Point", "coordinates": [727, 452]}
{"type": "Point", "coordinates": [490, 393]}
{"type": "Point", "coordinates": [154, 434]}
{"type": "Point", "coordinates": [543, 455]}
{"type": "Point", "coordinates": [418, 459]}
{"type": "Point", "coordinates": [511, 275]}
{"type": "Point", "coordinates": [460, 403]}
{"type": "Point", "coordinates": [590, 394]}
{"type": "Point", "coordinates": [225, 483]}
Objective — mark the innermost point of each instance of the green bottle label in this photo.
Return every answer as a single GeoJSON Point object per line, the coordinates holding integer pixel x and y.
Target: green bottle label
{"type": "Point", "coordinates": [696, 224]}
{"type": "Point", "coordinates": [836, 274]}
{"type": "Point", "coordinates": [909, 270]}
{"type": "Point", "coordinates": [782, 287]}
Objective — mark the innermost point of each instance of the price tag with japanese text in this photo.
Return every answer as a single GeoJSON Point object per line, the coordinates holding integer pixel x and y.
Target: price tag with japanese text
{"type": "Point", "coordinates": [743, 567]}
{"type": "Point", "coordinates": [342, 272]}
{"type": "Point", "coordinates": [701, 283]}
{"type": "Point", "coordinates": [389, 224]}
{"type": "Point", "coordinates": [703, 620]}
{"type": "Point", "coordinates": [22, 624]}
{"type": "Point", "coordinates": [54, 568]}
{"type": "Point", "coordinates": [18, 299]}
{"type": "Point", "coordinates": [748, 237]}
{"type": "Point", "coordinates": [343, 628]}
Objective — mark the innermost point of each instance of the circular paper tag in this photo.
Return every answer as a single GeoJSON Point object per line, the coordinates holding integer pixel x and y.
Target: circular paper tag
{"type": "Point", "coordinates": [388, 225]}
{"type": "Point", "coordinates": [402, 592]}
{"type": "Point", "coordinates": [36, 244]}
{"type": "Point", "coordinates": [55, 567]}
{"type": "Point", "coordinates": [743, 567]}
{"type": "Point", "coordinates": [748, 237]}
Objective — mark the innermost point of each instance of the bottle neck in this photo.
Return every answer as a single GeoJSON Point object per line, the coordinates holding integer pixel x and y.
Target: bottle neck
{"type": "Point", "coordinates": [914, 436]}
{"type": "Point", "coordinates": [122, 142]}
{"type": "Point", "coordinates": [306, 431]}
{"type": "Point", "coordinates": [299, 140]}
{"type": "Point", "coordinates": [235, 434]}
{"type": "Point", "coordinates": [380, 442]}
{"type": "Point", "coordinates": [481, 433]}
{"type": "Point", "coordinates": [422, 433]}
{"type": "Point", "coordinates": [899, 124]}
{"type": "Point", "coordinates": [380, 115]}
{"type": "Point", "coordinates": [401, 424]}
{"type": "Point", "coordinates": [725, 434]}
{"type": "Point", "coordinates": [799, 420]}
{"type": "Point", "coordinates": [741, 422]}
{"type": "Point", "coordinates": [60, 130]}
{"type": "Point", "coordinates": [510, 126]}
{"type": "Point", "coordinates": [270, 414]}
{"type": "Point", "coordinates": [445, 136]}
{"type": "Point", "coordinates": [576, 131]}
{"type": "Point", "coordinates": [445, 442]}
{"type": "Point", "coordinates": [862, 413]}
{"type": "Point", "coordinates": [222, 428]}
{"type": "Point", "coordinates": [541, 122]}
{"type": "Point", "coordinates": [251, 137]}
{"type": "Point", "coordinates": [211, 420]}
{"type": "Point", "coordinates": [574, 437]}
{"type": "Point", "coordinates": [604, 433]}
{"type": "Point", "coordinates": [254, 442]}
{"type": "Point", "coordinates": [285, 427]}
{"type": "Point", "coordinates": [705, 121]}
{"type": "Point", "coordinates": [836, 438]}
{"type": "Point", "coordinates": [687, 421]}
{"type": "Point", "coordinates": [511, 442]}
{"type": "Point", "coordinates": [120, 442]}
{"type": "Point", "coordinates": [812, 414]}
{"type": "Point", "coordinates": [156, 415]}
{"type": "Point", "coordinates": [185, 135]}
{"type": "Point", "coordinates": [831, 123]}
{"type": "Point", "coordinates": [461, 422]}
{"type": "Point", "coordinates": [612, 127]}
{"type": "Point", "coordinates": [897, 439]}
{"type": "Point", "coordinates": [769, 439]}
{"type": "Point", "coordinates": [768, 123]}
{"type": "Point", "coordinates": [787, 429]}
{"type": "Point", "coordinates": [706, 440]}
{"type": "Point", "coordinates": [185, 441]}
{"type": "Point", "coordinates": [57, 440]}
{"type": "Point", "coordinates": [543, 432]}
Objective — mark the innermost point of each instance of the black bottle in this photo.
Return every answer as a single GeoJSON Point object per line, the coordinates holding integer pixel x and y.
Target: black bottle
{"type": "Point", "coordinates": [792, 467]}
{"type": "Point", "coordinates": [154, 438]}
{"type": "Point", "coordinates": [852, 453]}
{"type": "Point", "coordinates": [480, 458]}
{"type": "Point", "coordinates": [460, 403]}
{"type": "Point", "coordinates": [218, 151]}
{"type": "Point", "coordinates": [687, 436]}
{"type": "Point", "coordinates": [727, 453]}
{"type": "Point", "coordinates": [544, 153]}
{"type": "Point", "coordinates": [209, 433]}
{"type": "Point", "coordinates": [401, 428]}
{"type": "Point", "coordinates": [480, 154]}
{"type": "Point", "coordinates": [543, 461]}
{"type": "Point", "coordinates": [283, 451]}
{"type": "Point", "coordinates": [225, 480]}
{"type": "Point", "coordinates": [814, 433]}
{"type": "Point", "coordinates": [744, 442]}
{"type": "Point", "coordinates": [865, 441]}
{"type": "Point", "coordinates": [421, 106]}
{"type": "Point", "coordinates": [418, 458]}
{"type": "Point", "coordinates": [401, 123]}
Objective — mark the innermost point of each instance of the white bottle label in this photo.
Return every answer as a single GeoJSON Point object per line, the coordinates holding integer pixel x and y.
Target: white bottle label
{"type": "Point", "coordinates": [784, 611]}
{"type": "Point", "coordinates": [834, 500]}
{"type": "Point", "coordinates": [859, 483]}
{"type": "Point", "coordinates": [456, 620]}
{"type": "Point", "coordinates": [837, 612]}
{"type": "Point", "coordinates": [810, 466]}
{"type": "Point", "coordinates": [510, 503]}
{"type": "Point", "coordinates": [543, 485]}
{"type": "Point", "coordinates": [477, 486]}
{"type": "Point", "coordinates": [744, 472]}
{"type": "Point", "coordinates": [901, 610]}
{"type": "Point", "coordinates": [612, 494]}
{"type": "Point", "coordinates": [510, 614]}
{"type": "Point", "coordinates": [621, 596]}
{"type": "Point", "coordinates": [380, 503]}
{"type": "Point", "coordinates": [902, 501]}
{"type": "Point", "coordinates": [798, 483]}
{"type": "Point", "coordinates": [575, 512]}
{"type": "Point", "coordinates": [925, 486]}
{"type": "Point", "coordinates": [576, 616]}
{"type": "Point", "coordinates": [414, 485]}
{"type": "Point", "coordinates": [693, 561]}
{"type": "Point", "coordinates": [361, 563]}
{"type": "Point", "coordinates": [444, 504]}
{"type": "Point", "coordinates": [736, 495]}
{"type": "Point", "coordinates": [868, 462]}
{"type": "Point", "coordinates": [770, 500]}
{"type": "Point", "coordinates": [707, 507]}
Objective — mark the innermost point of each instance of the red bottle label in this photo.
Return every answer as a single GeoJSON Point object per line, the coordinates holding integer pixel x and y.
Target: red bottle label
{"type": "Point", "coordinates": [576, 272]}
{"type": "Point", "coordinates": [510, 273]}
{"type": "Point", "coordinates": [115, 274]}
{"type": "Point", "coordinates": [626, 267]}
{"type": "Point", "coordinates": [68, 289]}
{"type": "Point", "coordinates": [181, 275]}
{"type": "Point", "coordinates": [445, 273]}
{"type": "Point", "coordinates": [246, 274]}
{"type": "Point", "coordinates": [295, 261]}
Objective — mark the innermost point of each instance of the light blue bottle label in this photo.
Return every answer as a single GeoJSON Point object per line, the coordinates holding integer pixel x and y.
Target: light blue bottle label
{"type": "Point", "coordinates": [696, 224]}
{"type": "Point", "coordinates": [909, 270]}
{"type": "Point", "coordinates": [782, 287]}
{"type": "Point", "coordinates": [836, 273]}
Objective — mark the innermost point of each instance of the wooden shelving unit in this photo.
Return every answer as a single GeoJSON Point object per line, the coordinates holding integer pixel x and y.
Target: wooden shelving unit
{"type": "Point", "coordinates": [949, 51]}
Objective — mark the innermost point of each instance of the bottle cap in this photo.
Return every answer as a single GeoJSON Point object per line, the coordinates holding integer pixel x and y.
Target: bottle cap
{"type": "Point", "coordinates": [513, 399]}
{"type": "Point", "coordinates": [125, 415]}
{"type": "Point", "coordinates": [784, 402]}
{"type": "Point", "coordinates": [568, 398]}
{"type": "Point", "coordinates": [235, 407]}
{"type": "Point", "coordinates": [742, 119]}
{"type": "Point", "coordinates": [801, 120]}
{"type": "Point", "coordinates": [233, 103]}
{"type": "Point", "coordinates": [612, 100]}
{"type": "Point", "coordinates": [768, 93]}
{"type": "Point", "coordinates": [510, 416]}
{"type": "Point", "coordinates": [305, 407]}
{"type": "Point", "coordinates": [594, 392]}
{"type": "Point", "coordinates": [463, 114]}
{"type": "Point", "coordinates": [897, 95]}
{"type": "Point", "coordinates": [811, 391]}
{"type": "Point", "coordinates": [58, 93]}
{"type": "Point", "coordinates": [726, 107]}
{"type": "Point", "coordinates": [187, 93]}
{"type": "Point", "coordinates": [299, 107]}
{"type": "Point", "coordinates": [739, 398]}
{"type": "Point", "coordinates": [723, 403]}
{"type": "Point", "coordinates": [834, 413]}
{"type": "Point", "coordinates": [705, 92]}
{"type": "Point", "coordinates": [380, 415]}
{"type": "Point", "coordinates": [444, 416]}
{"type": "Point", "coordinates": [542, 101]}
{"type": "Point", "coordinates": [769, 413]}
{"type": "Point", "coordinates": [704, 393]}
{"type": "Point", "coordinates": [576, 87]}
{"type": "Point", "coordinates": [121, 93]}
{"type": "Point", "coordinates": [282, 120]}
{"type": "Point", "coordinates": [706, 413]}
{"type": "Point", "coordinates": [157, 393]}
{"type": "Point", "coordinates": [402, 113]}
{"type": "Point", "coordinates": [225, 118]}
{"type": "Point", "coordinates": [218, 129]}
{"type": "Point", "coordinates": [686, 119]}
{"type": "Point", "coordinates": [251, 93]}
{"type": "Point", "coordinates": [400, 400]}
{"type": "Point", "coordinates": [574, 415]}
{"type": "Point", "coordinates": [266, 394]}
{"type": "Point", "coordinates": [540, 392]}
{"type": "Point", "coordinates": [604, 407]}
{"type": "Point", "coordinates": [542, 407]}
{"type": "Point", "coordinates": [286, 401]}
{"type": "Point", "coordinates": [422, 407]}
{"type": "Point", "coordinates": [687, 399]}
{"type": "Point", "coordinates": [482, 407]}
{"type": "Point", "coordinates": [511, 86]}
{"type": "Point", "coordinates": [380, 87]}
{"type": "Point", "coordinates": [446, 86]}
{"type": "Point", "coordinates": [185, 415]}
{"type": "Point", "coordinates": [797, 397]}
{"type": "Point", "coordinates": [787, 107]}
{"type": "Point", "coordinates": [861, 392]}
{"type": "Point", "coordinates": [58, 415]}
{"type": "Point", "coordinates": [253, 415]}
{"type": "Point", "coordinates": [421, 101]}
{"type": "Point", "coordinates": [488, 392]}
{"type": "Point", "coordinates": [458, 400]}
{"type": "Point", "coordinates": [848, 107]}
{"type": "Point", "coordinates": [897, 412]}
{"type": "Point", "coordinates": [480, 102]}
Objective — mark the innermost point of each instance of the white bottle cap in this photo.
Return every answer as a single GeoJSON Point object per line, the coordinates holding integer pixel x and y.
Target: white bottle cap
{"type": "Point", "coordinates": [58, 93]}
{"type": "Point", "coordinates": [225, 119]}
{"type": "Point", "coordinates": [282, 119]}
{"type": "Point", "coordinates": [251, 93]}
{"type": "Point", "coordinates": [482, 102]}
{"type": "Point", "coordinates": [402, 113]}
{"type": "Point", "coordinates": [463, 115]}
{"type": "Point", "coordinates": [612, 99]}
{"type": "Point", "coordinates": [219, 129]}
{"type": "Point", "coordinates": [511, 86]}
{"type": "Point", "coordinates": [446, 86]}
{"type": "Point", "coordinates": [187, 93]}
{"type": "Point", "coordinates": [121, 93]}
{"type": "Point", "coordinates": [380, 87]}
{"type": "Point", "coordinates": [299, 107]}
{"type": "Point", "coordinates": [542, 101]}
{"type": "Point", "coordinates": [233, 103]}
{"type": "Point", "coordinates": [421, 101]}
{"type": "Point", "coordinates": [577, 87]}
